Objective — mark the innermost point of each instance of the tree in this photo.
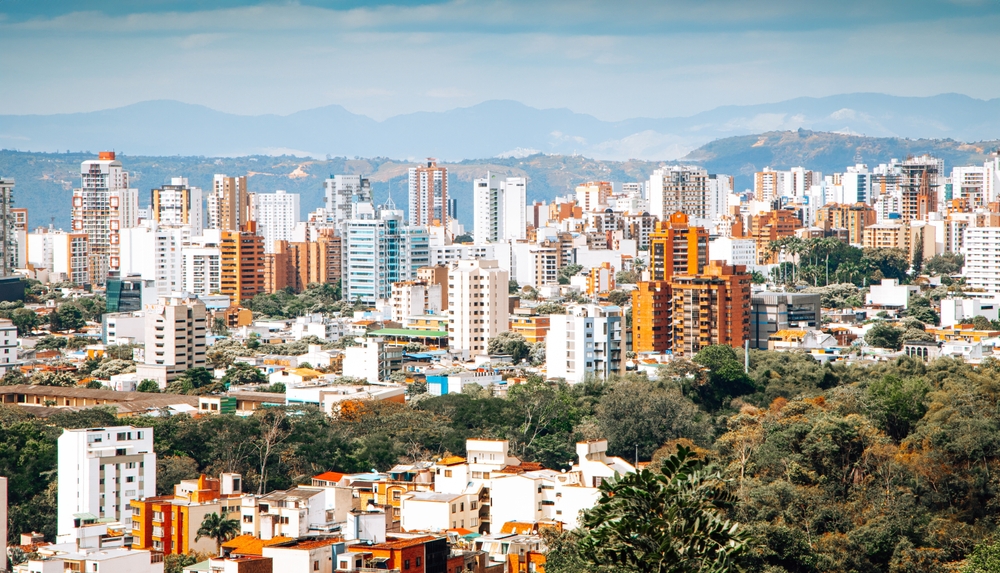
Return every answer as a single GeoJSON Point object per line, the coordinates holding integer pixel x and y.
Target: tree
{"type": "Point", "coordinates": [726, 378]}
{"type": "Point", "coordinates": [512, 286]}
{"type": "Point", "coordinates": [896, 404]}
{"type": "Point", "coordinates": [884, 335]}
{"type": "Point", "coordinates": [568, 272]}
{"type": "Point", "coordinates": [944, 264]}
{"type": "Point", "coordinates": [509, 343]}
{"type": "Point", "coordinates": [619, 297]}
{"type": "Point", "coordinates": [51, 343]}
{"type": "Point", "coordinates": [219, 528]}
{"type": "Point", "coordinates": [550, 308]}
{"type": "Point", "coordinates": [627, 277]}
{"type": "Point", "coordinates": [170, 470]}
{"type": "Point", "coordinates": [241, 373]}
{"type": "Point", "coordinates": [536, 355]}
{"type": "Point", "coordinates": [985, 558]}
{"type": "Point", "coordinates": [148, 386]}
{"type": "Point", "coordinates": [25, 320]}
{"type": "Point", "coordinates": [757, 278]}
{"type": "Point", "coordinates": [276, 388]}
{"type": "Point", "coordinates": [52, 379]}
{"type": "Point", "coordinates": [918, 253]}
{"type": "Point", "coordinates": [13, 377]}
{"type": "Point", "coordinates": [94, 385]}
{"type": "Point", "coordinates": [464, 238]}
{"type": "Point", "coordinates": [196, 381]}
{"type": "Point", "coordinates": [219, 327]}
{"type": "Point", "coordinates": [667, 522]}
{"type": "Point", "coordinates": [67, 317]}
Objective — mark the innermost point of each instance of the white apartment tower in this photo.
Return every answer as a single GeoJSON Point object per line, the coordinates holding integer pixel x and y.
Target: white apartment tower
{"type": "Point", "coordinates": [64, 255]}
{"type": "Point", "coordinates": [585, 340]}
{"type": "Point", "coordinates": [277, 214]}
{"type": "Point", "coordinates": [8, 346]}
{"type": "Point", "coordinates": [175, 338]}
{"type": "Point", "coordinates": [428, 191]}
{"type": "Point", "coordinates": [8, 233]}
{"type": "Point", "coordinates": [178, 204]}
{"type": "Point", "coordinates": [154, 253]}
{"type": "Point", "coordinates": [228, 203]}
{"type": "Point", "coordinates": [499, 209]}
{"type": "Point", "coordinates": [103, 206]}
{"type": "Point", "coordinates": [201, 261]}
{"type": "Point", "coordinates": [982, 259]}
{"type": "Point", "coordinates": [101, 470]}
{"type": "Point", "coordinates": [341, 194]}
{"type": "Point", "coordinates": [477, 305]}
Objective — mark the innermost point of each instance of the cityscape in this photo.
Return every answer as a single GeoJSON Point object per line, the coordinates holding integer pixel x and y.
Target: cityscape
{"type": "Point", "coordinates": [512, 339]}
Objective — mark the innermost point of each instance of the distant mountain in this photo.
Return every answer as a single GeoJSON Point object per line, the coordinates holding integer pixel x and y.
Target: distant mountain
{"type": "Point", "coordinates": [489, 129]}
{"type": "Point", "coordinates": [44, 181]}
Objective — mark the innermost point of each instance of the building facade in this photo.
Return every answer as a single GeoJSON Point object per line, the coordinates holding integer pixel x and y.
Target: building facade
{"type": "Point", "coordinates": [103, 206]}
{"type": "Point", "coordinates": [477, 305]}
{"type": "Point", "coordinates": [428, 192]}
{"type": "Point", "coordinates": [178, 204]}
{"type": "Point", "coordinates": [586, 341]}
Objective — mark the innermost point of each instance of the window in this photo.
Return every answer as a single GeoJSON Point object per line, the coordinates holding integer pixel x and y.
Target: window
{"type": "Point", "coordinates": [395, 495]}
{"type": "Point", "coordinates": [129, 479]}
{"type": "Point", "coordinates": [453, 506]}
{"type": "Point", "coordinates": [447, 473]}
{"type": "Point", "coordinates": [406, 564]}
{"type": "Point", "coordinates": [417, 562]}
{"type": "Point", "coordinates": [315, 565]}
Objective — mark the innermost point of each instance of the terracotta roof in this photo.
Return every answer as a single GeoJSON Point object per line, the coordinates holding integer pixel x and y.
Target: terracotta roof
{"type": "Point", "coordinates": [524, 467]}
{"type": "Point", "coordinates": [451, 461]}
{"type": "Point", "coordinates": [461, 531]}
{"type": "Point", "coordinates": [518, 527]}
{"type": "Point", "coordinates": [250, 545]}
{"type": "Point", "coordinates": [330, 476]}
{"type": "Point", "coordinates": [395, 543]}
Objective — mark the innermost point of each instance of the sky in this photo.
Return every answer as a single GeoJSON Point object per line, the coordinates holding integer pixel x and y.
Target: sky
{"type": "Point", "coordinates": [613, 59]}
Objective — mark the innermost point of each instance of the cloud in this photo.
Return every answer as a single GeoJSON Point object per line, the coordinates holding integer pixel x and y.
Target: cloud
{"type": "Point", "coordinates": [449, 93]}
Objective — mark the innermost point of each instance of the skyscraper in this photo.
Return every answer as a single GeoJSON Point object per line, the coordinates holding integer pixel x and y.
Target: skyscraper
{"type": "Point", "coordinates": [242, 264]}
{"type": "Point", "coordinates": [379, 251]}
{"type": "Point", "coordinates": [710, 308]}
{"type": "Point", "coordinates": [478, 291]}
{"type": "Point", "coordinates": [428, 195]}
{"type": "Point", "coordinates": [276, 215]}
{"type": "Point", "coordinates": [920, 186]}
{"type": "Point", "coordinates": [682, 188]}
{"type": "Point", "coordinates": [178, 204]}
{"type": "Point", "coordinates": [228, 203]}
{"type": "Point", "coordinates": [341, 193]}
{"type": "Point", "coordinates": [8, 229]}
{"type": "Point", "coordinates": [103, 206]}
{"type": "Point", "coordinates": [499, 212]}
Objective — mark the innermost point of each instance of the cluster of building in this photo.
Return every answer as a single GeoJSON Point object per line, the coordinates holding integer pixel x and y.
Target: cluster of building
{"type": "Point", "coordinates": [483, 513]}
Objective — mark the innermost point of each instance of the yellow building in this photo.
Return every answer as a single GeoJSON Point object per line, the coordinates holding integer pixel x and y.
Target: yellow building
{"type": "Point", "coordinates": [533, 328]}
{"type": "Point", "coordinates": [170, 524]}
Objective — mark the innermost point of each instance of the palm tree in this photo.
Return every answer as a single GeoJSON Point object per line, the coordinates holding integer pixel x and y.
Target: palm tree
{"type": "Point", "coordinates": [219, 528]}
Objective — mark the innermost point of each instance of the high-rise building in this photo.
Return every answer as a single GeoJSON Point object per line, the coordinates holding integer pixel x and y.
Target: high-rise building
{"type": "Point", "coordinates": [8, 346]}
{"type": "Point", "coordinates": [499, 209]}
{"type": "Point", "coordinates": [178, 204]}
{"type": "Point", "coordinates": [651, 307]}
{"type": "Point", "coordinates": [856, 183]}
{"type": "Point", "coordinates": [64, 255]}
{"type": "Point", "coordinates": [103, 206]}
{"type": "Point", "coordinates": [982, 253]}
{"type": "Point", "coordinates": [101, 470]}
{"type": "Point", "coordinates": [428, 188]}
{"type": "Point", "coordinates": [340, 195]}
{"type": "Point", "coordinates": [770, 226]}
{"type": "Point", "coordinates": [128, 293]}
{"type": "Point", "coordinates": [9, 246]}
{"type": "Point", "coordinates": [297, 265]}
{"type": "Point", "coordinates": [414, 298]}
{"type": "Point", "coordinates": [228, 203]}
{"type": "Point", "coordinates": [276, 216]}
{"type": "Point", "coordinates": [175, 338]}
{"type": "Point", "coordinates": [682, 188]}
{"type": "Point", "coordinates": [593, 195]}
{"type": "Point", "coordinates": [478, 293]}
{"type": "Point", "coordinates": [970, 183]}
{"type": "Point", "coordinates": [854, 218]}
{"type": "Point", "coordinates": [381, 251]}
{"type": "Point", "coordinates": [154, 253]}
{"type": "Point", "coordinates": [242, 264]}
{"type": "Point", "coordinates": [21, 236]}
{"type": "Point", "coordinates": [201, 260]}
{"type": "Point", "coordinates": [920, 186]}
{"type": "Point", "coordinates": [675, 247]}
{"type": "Point", "coordinates": [710, 308]}
{"type": "Point", "coordinates": [587, 340]}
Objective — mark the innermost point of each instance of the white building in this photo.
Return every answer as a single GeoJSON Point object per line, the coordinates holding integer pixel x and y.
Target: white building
{"type": "Point", "coordinates": [295, 512]}
{"type": "Point", "coordinates": [477, 305]}
{"type": "Point", "coordinates": [956, 310]}
{"type": "Point", "coordinates": [201, 264]}
{"type": "Point", "coordinates": [683, 188]}
{"type": "Point", "coordinates": [277, 214]}
{"type": "Point", "coordinates": [175, 338]}
{"type": "Point", "coordinates": [178, 204]}
{"type": "Point", "coordinates": [372, 359]}
{"type": "Point", "coordinates": [585, 340]}
{"type": "Point", "coordinates": [432, 511]}
{"type": "Point", "coordinates": [8, 346]}
{"type": "Point", "coordinates": [154, 252]}
{"type": "Point", "coordinates": [982, 259]}
{"type": "Point", "coordinates": [341, 193]}
{"type": "Point", "coordinates": [101, 470]}
{"type": "Point", "coordinates": [856, 183]}
{"type": "Point", "coordinates": [124, 327]}
{"type": "Point", "coordinates": [891, 293]}
{"type": "Point", "coordinates": [735, 251]}
{"type": "Point", "coordinates": [414, 298]}
{"type": "Point", "coordinates": [103, 206]}
{"type": "Point", "coordinates": [499, 209]}
{"type": "Point", "coordinates": [381, 250]}
{"type": "Point", "coordinates": [63, 255]}
{"type": "Point", "coordinates": [448, 254]}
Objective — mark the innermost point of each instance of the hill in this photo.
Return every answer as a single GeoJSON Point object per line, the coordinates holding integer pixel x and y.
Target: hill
{"type": "Point", "coordinates": [45, 180]}
{"type": "Point", "coordinates": [489, 129]}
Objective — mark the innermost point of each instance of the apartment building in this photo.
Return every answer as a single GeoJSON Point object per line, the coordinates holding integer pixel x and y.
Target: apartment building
{"type": "Point", "coordinates": [710, 308]}
{"type": "Point", "coordinates": [9, 246]}
{"type": "Point", "coordinates": [294, 513]}
{"type": "Point", "coordinates": [428, 192]}
{"type": "Point", "coordinates": [154, 253]}
{"type": "Point", "coordinates": [372, 359]}
{"type": "Point", "coordinates": [854, 218]}
{"type": "Point", "coordinates": [921, 186]}
{"type": "Point", "coordinates": [771, 226]}
{"type": "Point", "coordinates": [101, 470]}
{"type": "Point", "coordinates": [201, 261]}
{"type": "Point", "coordinates": [276, 215]}
{"type": "Point", "coordinates": [651, 310]}
{"type": "Point", "coordinates": [380, 251]}
{"type": "Point", "coordinates": [586, 341]}
{"type": "Point", "coordinates": [228, 203]}
{"type": "Point", "coordinates": [415, 298]}
{"type": "Point", "coordinates": [686, 189]}
{"type": "Point", "coordinates": [341, 193]}
{"type": "Point", "coordinates": [499, 209]}
{"type": "Point", "coordinates": [8, 347]}
{"type": "Point", "coordinates": [477, 305]}
{"type": "Point", "coordinates": [676, 248]}
{"type": "Point", "coordinates": [175, 338]}
{"type": "Point", "coordinates": [103, 206]}
{"type": "Point", "coordinates": [241, 264]}
{"type": "Point", "coordinates": [982, 259]}
{"type": "Point", "coordinates": [296, 265]}
{"type": "Point", "coordinates": [178, 204]}
{"type": "Point", "coordinates": [593, 195]}
{"type": "Point", "coordinates": [170, 523]}
{"type": "Point", "coordinates": [65, 256]}
{"type": "Point", "coordinates": [771, 312]}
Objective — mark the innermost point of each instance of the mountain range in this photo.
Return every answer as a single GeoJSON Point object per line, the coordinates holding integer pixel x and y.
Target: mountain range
{"type": "Point", "coordinates": [45, 181]}
{"type": "Point", "coordinates": [489, 129]}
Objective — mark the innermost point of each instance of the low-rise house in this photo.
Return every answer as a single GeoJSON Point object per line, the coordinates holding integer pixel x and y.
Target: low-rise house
{"type": "Point", "coordinates": [295, 512]}
{"type": "Point", "coordinates": [430, 511]}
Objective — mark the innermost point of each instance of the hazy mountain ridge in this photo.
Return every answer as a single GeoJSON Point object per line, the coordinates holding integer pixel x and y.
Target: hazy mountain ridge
{"type": "Point", "coordinates": [488, 129]}
{"type": "Point", "coordinates": [45, 180]}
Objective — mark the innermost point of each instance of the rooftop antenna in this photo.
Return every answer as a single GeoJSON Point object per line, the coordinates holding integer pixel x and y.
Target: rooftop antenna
{"type": "Point", "coordinates": [389, 203]}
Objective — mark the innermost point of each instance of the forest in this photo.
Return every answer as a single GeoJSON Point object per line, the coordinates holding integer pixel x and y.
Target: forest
{"type": "Point", "coordinates": [887, 467]}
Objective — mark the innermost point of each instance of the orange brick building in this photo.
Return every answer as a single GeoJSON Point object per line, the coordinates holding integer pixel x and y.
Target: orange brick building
{"type": "Point", "coordinates": [414, 555]}
{"type": "Point", "coordinates": [771, 226]}
{"type": "Point", "coordinates": [296, 265]}
{"type": "Point", "coordinates": [651, 306]}
{"type": "Point", "coordinates": [169, 524]}
{"type": "Point", "coordinates": [242, 264]}
{"type": "Point", "coordinates": [854, 218]}
{"type": "Point", "coordinates": [677, 249]}
{"type": "Point", "coordinates": [711, 308]}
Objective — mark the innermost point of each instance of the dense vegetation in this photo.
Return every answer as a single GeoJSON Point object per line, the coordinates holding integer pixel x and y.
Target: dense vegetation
{"type": "Point", "coordinates": [891, 467]}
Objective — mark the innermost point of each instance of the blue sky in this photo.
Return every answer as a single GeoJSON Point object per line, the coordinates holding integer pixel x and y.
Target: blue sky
{"type": "Point", "coordinates": [611, 59]}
